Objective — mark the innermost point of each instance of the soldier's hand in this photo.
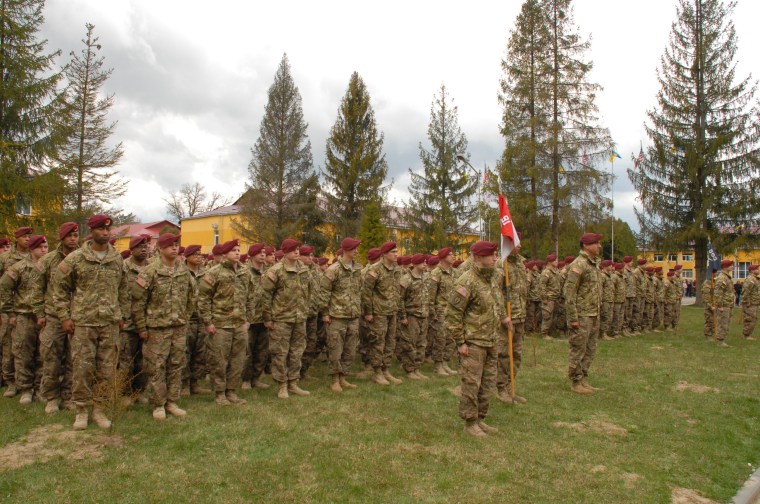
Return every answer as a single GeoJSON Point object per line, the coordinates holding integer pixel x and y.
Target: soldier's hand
{"type": "Point", "coordinates": [435, 319]}
{"type": "Point", "coordinates": [143, 335]}
{"type": "Point", "coordinates": [68, 326]}
{"type": "Point", "coordinates": [369, 318]}
{"type": "Point", "coordinates": [712, 308]}
{"type": "Point", "coordinates": [507, 322]}
{"type": "Point", "coordinates": [269, 325]}
{"type": "Point", "coordinates": [41, 322]}
{"type": "Point", "coordinates": [404, 321]}
{"type": "Point", "coordinates": [12, 321]}
{"type": "Point", "coordinates": [720, 309]}
{"type": "Point", "coordinates": [464, 349]}
{"type": "Point", "coordinates": [575, 325]}
{"type": "Point", "coordinates": [121, 325]}
{"type": "Point", "coordinates": [326, 319]}
{"type": "Point", "coordinates": [211, 329]}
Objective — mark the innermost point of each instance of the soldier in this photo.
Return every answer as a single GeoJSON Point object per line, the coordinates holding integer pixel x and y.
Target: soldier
{"type": "Point", "coordinates": [313, 323]}
{"type": "Point", "coordinates": [618, 315]}
{"type": "Point", "coordinates": [269, 256]}
{"type": "Point", "coordinates": [629, 324]}
{"type": "Point", "coordinates": [582, 295]}
{"type": "Point", "coordinates": [92, 301]}
{"type": "Point", "coordinates": [373, 256]}
{"type": "Point", "coordinates": [5, 245]}
{"type": "Point", "coordinates": [671, 288]}
{"type": "Point", "coordinates": [163, 299]}
{"type": "Point", "coordinates": [659, 299]}
{"type": "Point", "coordinates": [677, 313]}
{"type": "Point", "coordinates": [517, 292]}
{"type": "Point", "coordinates": [473, 319]}
{"type": "Point", "coordinates": [340, 306]}
{"type": "Point", "coordinates": [750, 301]}
{"type": "Point", "coordinates": [441, 282]}
{"type": "Point", "coordinates": [414, 308]}
{"type": "Point", "coordinates": [196, 360]}
{"type": "Point", "coordinates": [640, 281]}
{"type": "Point", "coordinates": [55, 344]}
{"type": "Point", "coordinates": [380, 302]}
{"type": "Point", "coordinates": [708, 298]}
{"type": "Point", "coordinates": [258, 335]}
{"type": "Point", "coordinates": [724, 301]}
{"type": "Point", "coordinates": [23, 286]}
{"type": "Point", "coordinates": [287, 290]}
{"type": "Point", "coordinates": [225, 298]}
{"type": "Point", "coordinates": [533, 310]}
{"type": "Point", "coordinates": [549, 291]}
{"type": "Point", "coordinates": [608, 300]}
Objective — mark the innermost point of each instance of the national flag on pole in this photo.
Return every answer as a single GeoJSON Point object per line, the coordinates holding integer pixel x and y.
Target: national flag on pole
{"type": "Point", "coordinates": [509, 237]}
{"type": "Point", "coordinates": [584, 159]}
{"type": "Point", "coordinates": [614, 155]}
{"type": "Point", "coordinates": [640, 159]}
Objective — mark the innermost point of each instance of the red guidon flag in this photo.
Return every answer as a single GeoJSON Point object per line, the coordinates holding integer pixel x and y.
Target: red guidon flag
{"type": "Point", "coordinates": [509, 238]}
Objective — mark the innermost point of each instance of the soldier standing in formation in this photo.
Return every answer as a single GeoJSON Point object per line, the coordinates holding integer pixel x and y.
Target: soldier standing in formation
{"type": "Point", "coordinates": [517, 293]}
{"type": "Point", "coordinates": [708, 296]}
{"type": "Point", "coordinates": [130, 345]}
{"type": "Point", "coordinates": [258, 334]}
{"type": "Point", "coordinates": [441, 284]}
{"type": "Point", "coordinates": [196, 361]}
{"type": "Point", "coordinates": [414, 308]}
{"type": "Point", "coordinates": [549, 290]}
{"type": "Point", "coordinates": [750, 301]}
{"type": "Point", "coordinates": [724, 301]}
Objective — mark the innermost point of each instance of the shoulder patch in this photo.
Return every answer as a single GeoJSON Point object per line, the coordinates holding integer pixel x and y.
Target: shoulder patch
{"type": "Point", "coordinates": [208, 279]}
{"type": "Point", "coordinates": [372, 273]}
{"type": "Point", "coordinates": [463, 291]}
{"type": "Point", "coordinates": [141, 282]}
{"type": "Point", "coordinates": [272, 275]}
{"type": "Point", "coordinates": [403, 282]}
{"type": "Point", "coordinates": [11, 274]}
{"type": "Point", "coordinates": [576, 271]}
{"type": "Point", "coordinates": [329, 274]}
{"type": "Point", "coordinates": [64, 268]}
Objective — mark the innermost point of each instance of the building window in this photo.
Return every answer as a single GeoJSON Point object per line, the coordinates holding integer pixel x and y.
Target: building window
{"type": "Point", "coordinates": [216, 236]}
{"type": "Point", "coordinates": [673, 257]}
{"type": "Point", "coordinates": [688, 274]}
{"type": "Point", "coordinates": [658, 258]}
{"type": "Point", "coordinates": [687, 257]}
{"type": "Point", "coordinates": [741, 270]}
{"type": "Point", "coordinates": [23, 206]}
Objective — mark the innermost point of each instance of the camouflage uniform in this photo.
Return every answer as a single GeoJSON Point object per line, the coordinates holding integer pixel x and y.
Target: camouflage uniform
{"type": "Point", "coordinates": [638, 314]}
{"type": "Point", "coordinates": [750, 303]}
{"type": "Point", "coordinates": [517, 293]}
{"type": "Point", "coordinates": [7, 260]}
{"type": "Point", "coordinates": [724, 302]}
{"type": "Point", "coordinates": [339, 298]}
{"type": "Point", "coordinates": [313, 322]}
{"type": "Point", "coordinates": [258, 335]}
{"type": "Point", "coordinates": [163, 300]}
{"type": "Point", "coordinates": [659, 299]}
{"type": "Point", "coordinates": [648, 313]}
{"type": "Point", "coordinates": [364, 351]}
{"type": "Point", "coordinates": [608, 300]}
{"type": "Point", "coordinates": [533, 311]}
{"type": "Point", "coordinates": [440, 283]}
{"type": "Point", "coordinates": [583, 297]}
{"type": "Point", "coordinates": [287, 297]}
{"type": "Point", "coordinates": [380, 298]}
{"type": "Point", "coordinates": [473, 317]}
{"type": "Point", "coordinates": [710, 315]}
{"type": "Point", "coordinates": [414, 308]}
{"type": "Point", "coordinates": [225, 298]}
{"type": "Point", "coordinates": [549, 290]}
{"type": "Point", "coordinates": [671, 302]}
{"type": "Point", "coordinates": [629, 322]}
{"type": "Point", "coordinates": [618, 315]}
{"type": "Point", "coordinates": [130, 344]}
{"type": "Point", "coordinates": [196, 360]}
{"type": "Point", "coordinates": [91, 290]}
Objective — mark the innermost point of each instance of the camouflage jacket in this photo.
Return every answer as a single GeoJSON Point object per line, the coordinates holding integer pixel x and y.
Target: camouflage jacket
{"type": "Point", "coordinates": [583, 288]}
{"type": "Point", "coordinates": [8, 259]}
{"type": "Point", "coordinates": [751, 291]}
{"type": "Point", "coordinates": [619, 283]}
{"type": "Point", "coordinates": [89, 290]}
{"type": "Point", "coordinates": [672, 290]}
{"type": "Point", "coordinates": [659, 289]}
{"type": "Point", "coordinates": [707, 291]}
{"type": "Point", "coordinates": [534, 286]}
{"type": "Point", "coordinates": [314, 290]}
{"type": "Point", "coordinates": [131, 270]}
{"type": "Point", "coordinates": [287, 292]}
{"type": "Point", "coordinates": [549, 284]}
{"type": "Point", "coordinates": [608, 287]}
{"type": "Point", "coordinates": [475, 309]}
{"type": "Point", "coordinates": [257, 316]}
{"type": "Point", "coordinates": [463, 268]}
{"type": "Point", "coordinates": [23, 286]}
{"type": "Point", "coordinates": [380, 291]}
{"type": "Point", "coordinates": [440, 283]}
{"type": "Point", "coordinates": [649, 296]}
{"type": "Point", "coordinates": [340, 290]}
{"type": "Point", "coordinates": [226, 295]}
{"type": "Point", "coordinates": [197, 277]}
{"type": "Point", "coordinates": [724, 290]}
{"type": "Point", "coordinates": [518, 288]}
{"type": "Point", "coordinates": [415, 297]}
{"type": "Point", "coordinates": [50, 265]}
{"type": "Point", "coordinates": [163, 297]}
{"type": "Point", "coordinates": [640, 281]}
{"type": "Point", "coordinates": [630, 283]}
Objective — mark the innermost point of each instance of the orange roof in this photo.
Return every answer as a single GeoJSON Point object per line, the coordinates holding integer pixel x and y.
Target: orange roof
{"type": "Point", "coordinates": [149, 228]}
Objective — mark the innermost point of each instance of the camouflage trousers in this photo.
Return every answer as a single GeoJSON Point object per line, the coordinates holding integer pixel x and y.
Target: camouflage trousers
{"type": "Point", "coordinates": [646, 316]}
{"type": "Point", "coordinates": [6, 346]}
{"type": "Point", "coordinates": [364, 341]}
{"type": "Point", "coordinates": [132, 362]}
{"type": "Point", "coordinates": [547, 317]}
{"type": "Point", "coordinates": [94, 356]}
{"type": "Point", "coordinates": [196, 362]}
{"type": "Point", "coordinates": [164, 353]}
{"type": "Point", "coordinates": [225, 353]}
{"type": "Point", "coordinates": [637, 315]}
{"type": "Point", "coordinates": [342, 338]}
{"type": "Point", "coordinates": [749, 320]}
{"type": "Point", "coordinates": [533, 318]}
{"type": "Point", "coordinates": [658, 314]}
{"type": "Point", "coordinates": [560, 315]}
{"type": "Point", "coordinates": [605, 319]}
{"type": "Point", "coordinates": [57, 369]}
{"type": "Point", "coordinates": [502, 369]}
{"type": "Point", "coordinates": [710, 322]}
{"type": "Point", "coordinates": [618, 316]}
{"type": "Point", "coordinates": [257, 353]}
{"type": "Point", "coordinates": [411, 343]}
{"type": "Point", "coordinates": [478, 373]}
{"type": "Point", "coordinates": [443, 345]}
{"type": "Point", "coordinates": [582, 343]}
{"type": "Point", "coordinates": [287, 341]}
{"type": "Point", "coordinates": [669, 314]}
{"type": "Point", "coordinates": [723, 321]}
{"type": "Point", "coordinates": [628, 322]}
{"type": "Point", "coordinates": [677, 312]}
{"type": "Point", "coordinates": [382, 340]}
{"type": "Point", "coordinates": [26, 351]}
{"type": "Point", "coordinates": [315, 342]}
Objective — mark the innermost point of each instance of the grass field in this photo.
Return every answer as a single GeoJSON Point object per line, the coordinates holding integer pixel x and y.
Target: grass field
{"type": "Point", "coordinates": [636, 441]}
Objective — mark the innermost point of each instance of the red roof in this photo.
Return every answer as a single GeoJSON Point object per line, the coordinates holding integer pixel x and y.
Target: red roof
{"type": "Point", "coordinates": [149, 228]}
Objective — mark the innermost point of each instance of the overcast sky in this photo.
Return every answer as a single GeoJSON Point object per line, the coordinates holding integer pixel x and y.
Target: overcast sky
{"type": "Point", "coordinates": [191, 78]}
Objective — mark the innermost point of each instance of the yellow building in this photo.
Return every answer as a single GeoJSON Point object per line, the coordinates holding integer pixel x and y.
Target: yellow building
{"type": "Point", "coordinates": [742, 259]}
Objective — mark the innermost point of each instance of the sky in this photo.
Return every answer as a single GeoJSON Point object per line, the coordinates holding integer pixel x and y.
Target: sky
{"type": "Point", "coordinates": [190, 78]}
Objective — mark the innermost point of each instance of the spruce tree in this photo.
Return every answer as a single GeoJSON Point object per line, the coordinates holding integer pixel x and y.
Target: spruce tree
{"type": "Point", "coordinates": [281, 195]}
{"type": "Point", "coordinates": [355, 167]}
{"type": "Point", "coordinates": [372, 231]}
{"type": "Point", "coordinates": [701, 172]}
{"type": "Point", "coordinates": [441, 196]}
{"type": "Point", "coordinates": [30, 105]}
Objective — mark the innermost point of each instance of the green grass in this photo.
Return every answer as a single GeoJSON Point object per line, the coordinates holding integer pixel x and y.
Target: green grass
{"type": "Point", "coordinates": [405, 443]}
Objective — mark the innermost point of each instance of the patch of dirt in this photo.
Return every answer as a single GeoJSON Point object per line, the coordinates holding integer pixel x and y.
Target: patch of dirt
{"type": "Point", "coordinates": [51, 441]}
{"type": "Point", "coordinates": [689, 420]}
{"type": "Point", "coordinates": [693, 387]}
{"type": "Point", "coordinates": [598, 469]}
{"type": "Point", "coordinates": [457, 391]}
{"type": "Point", "coordinates": [594, 425]}
{"type": "Point", "coordinates": [630, 480]}
{"type": "Point", "coordinates": [686, 496]}
{"type": "Point", "coordinates": [657, 348]}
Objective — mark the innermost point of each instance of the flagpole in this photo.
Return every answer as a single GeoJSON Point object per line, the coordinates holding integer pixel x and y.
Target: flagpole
{"type": "Point", "coordinates": [612, 201]}
{"type": "Point", "coordinates": [509, 329]}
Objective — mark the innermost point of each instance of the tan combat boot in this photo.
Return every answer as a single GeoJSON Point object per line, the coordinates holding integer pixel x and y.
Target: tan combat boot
{"type": "Point", "coordinates": [100, 418]}
{"type": "Point", "coordinates": [11, 391]}
{"type": "Point", "coordinates": [260, 384]}
{"type": "Point", "coordinates": [335, 384]}
{"type": "Point", "coordinates": [233, 398]}
{"type": "Point", "coordinates": [420, 375]}
{"type": "Point", "coordinates": [282, 390]}
{"type": "Point", "coordinates": [80, 423]}
{"type": "Point", "coordinates": [448, 369]}
{"type": "Point", "coordinates": [518, 399]}
{"type": "Point", "coordinates": [195, 388]}
{"type": "Point", "coordinates": [368, 372]}
{"type": "Point", "coordinates": [344, 383]}
{"type": "Point", "coordinates": [26, 397]}
{"type": "Point", "coordinates": [578, 388]}
{"type": "Point", "coordinates": [504, 396]}
{"type": "Point", "coordinates": [439, 370]}
{"type": "Point", "coordinates": [173, 409]}
{"type": "Point", "coordinates": [246, 385]}
{"type": "Point", "coordinates": [221, 399]}
{"type": "Point", "coordinates": [472, 428]}
{"type": "Point", "coordinates": [379, 378]}
{"type": "Point", "coordinates": [159, 413]}
{"type": "Point", "coordinates": [185, 392]}
{"type": "Point", "coordinates": [391, 378]}
{"type": "Point", "coordinates": [51, 407]}
{"type": "Point", "coordinates": [722, 344]}
{"type": "Point", "coordinates": [412, 375]}
{"type": "Point", "coordinates": [487, 428]}
{"type": "Point", "coordinates": [586, 384]}
{"type": "Point", "coordinates": [293, 388]}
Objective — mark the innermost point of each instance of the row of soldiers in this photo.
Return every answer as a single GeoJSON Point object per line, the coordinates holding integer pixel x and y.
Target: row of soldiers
{"type": "Point", "coordinates": [718, 295]}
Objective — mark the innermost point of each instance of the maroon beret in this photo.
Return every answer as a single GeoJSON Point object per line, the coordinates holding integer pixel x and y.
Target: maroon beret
{"type": "Point", "coordinates": [4, 242]}
{"type": "Point", "coordinates": [373, 254]}
{"type": "Point", "coordinates": [112, 241]}
{"type": "Point", "coordinates": [191, 249]}
{"type": "Point", "coordinates": [589, 238]}
{"type": "Point", "coordinates": [387, 247]}
{"type": "Point", "coordinates": [36, 240]}
{"type": "Point", "coordinates": [182, 250]}
{"type": "Point", "coordinates": [569, 259]}
{"type": "Point", "coordinates": [529, 264]}
{"type": "Point", "coordinates": [306, 250]}
{"type": "Point", "coordinates": [649, 269]}
{"type": "Point", "coordinates": [323, 261]}
{"type": "Point", "coordinates": [401, 260]}
{"type": "Point", "coordinates": [23, 231]}
{"type": "Point", "coordinates": [540, 263]}
{"type": "Point", "coordinates": [99, 220]}
{"type": "Point", "coordinates": [348, 244]}
{"type": "Point", "coordinates": [433, 261]}
{"type": "Point", "coordinates": [138, 240]}
{"type": "Point", "coordinates": [269, 250]}
{"type": "Point", "coordinates": [753, 267]}
{"type": "Point", "coordinates": [418, 258]}
{"type": "Point", "coordinates": [457, 263]}
{"type": "Point", "coordinates": [227, 247]}
{"type": "Point", "coordinates": [243, 258]}
{"type": "Point", "coordinates": [606, 263]}
{"type": "Point", "coordinates": [627, 259]}
{"type": "Point", "coordinates": [256, 249]}
{"type": "Point", "coordinates": [561, 264]}
{"type": "Point", "coordinates": [658, 268]}
{"type": "Point", "coordinates": [210, 257]}
{"type": "Point", "coordinates": [217, 250]}
{"type": "Point", "coordinates": [125, 254]}
{"type": "Point", "coordinates": [725, 263]}
{"type": "Point", "coordinates": [483, 248]}
{"type": "Point", "coordinates": [551, 258]}
{"type": "Point", "coordinates": [671, 273]}
{"type": "Point", "coordinates": [66, 228]}
{"type": "Point", "coordinates": [444, 252]}
{"type": "Point", "coordinates": [289, 245]}
{"type": "Point", "coordinates": [619, 266]}
{"type": "Point", "coordinates": [641, 262]}
{"type": "Point", "coordinates": [279, 254]}
{"type": "Point", "coordinates": [167, 239]}
{"type": "Point", "coordinates": [677, 267]}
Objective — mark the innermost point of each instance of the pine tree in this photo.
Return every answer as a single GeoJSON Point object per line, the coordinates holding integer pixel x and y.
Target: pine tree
{"type": "Point", "coordinates": [86, 158]}
{"type": "Point", "coordinates": [30, 104]}
{"type": "Point", "coordinates": [355, 168]}
{"type": "Point", "coordinates": [701, 172]}
{"type": "Point", "coordinates": [281, 196]}
{"type": "Point", "coordinates": [440, 205]}
{"type": "Point", "coordinates": [372, 233]}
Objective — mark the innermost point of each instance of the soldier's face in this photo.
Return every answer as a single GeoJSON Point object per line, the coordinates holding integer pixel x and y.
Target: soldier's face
{"type": "Point", "coordinates": [260, 257]}
{"type": "Point", "coordinates": [350, 254]}
{"type": "Point", "coordinates": [4, 248]}
{"type": "Point", "coordinates": [234, 254]}
{"type": "Point", "coordinates": [101, 235]}
{"type": "Point", "coordinates": [22, 242]}
{"type": "Point", "coordinates": [195, 259]}
{"type": "Point", "coordinates": [269, 259]}
{"type": "Point", "coordinates": [306, 259]}
{"type": "Point", "coordinates": [488, 261]}
{"type": "Point", "coordinates": [71, 240]}
{"type": "Point", "coordinates": [171, 251]}
{"type": "Point", "coordinates": [391, 255]}
{"type": "Point", "coordinates": [39, 252]}
{"type": "Point", "coordinates": [140, 253]}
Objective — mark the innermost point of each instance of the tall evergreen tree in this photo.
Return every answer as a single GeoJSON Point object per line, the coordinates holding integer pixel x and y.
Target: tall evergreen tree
{"type": "Point", "coordinates": [372, 232]}
{"type": "Point", "coordinates": [355, 167]}
{"type": "Point", "coordinates": [701, 172]}
{"type": "Point", "coordinates": [441, 196]}
{"type": "Point", "coordinates": [30, 104]}
{"type": "Point", "coordinates": [281, 195]}
{"type": "Point", "coordinates": [86, 158]}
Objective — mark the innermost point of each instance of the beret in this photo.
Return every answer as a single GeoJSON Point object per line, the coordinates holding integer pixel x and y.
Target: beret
{"type": "Point", "coordinates": [529, 264]}
{"type": "Point", "coordinates": [627, 259]}
{"type": "Point", "coordinates": [112, 241]}
{"type": "Point", "coordinates": [444, 252]}
{"type": "Point", "coordinates": [217, 250]}
{"type": "Point", "coordinates": [418, 258]}
{"type": "Point", "coordinates": [191, 249]}
{"type": "Point", "coordinates": [649, 269]}
{"type": "Point", "coordinates": [387, 247]}
{"type": "Point", "coordinates": [539, 263]}
{"type": "Point", "coordinates": [305, 250]}
{"type": "Point", "coordinates": [606, 263]}
{"type": "Point", "coordinates": [323, 261]}
{"type": "Point", "coordinates": [641, 262]}
{"type": "Point", "coordinates": [243, 258]}
{"type": "Point", "coordinates": [256, 249]}
{"type": "Point", "coordinates": [569, 259]}
{"type": "Point", "coordinates": [671, 273]}
{"type": "Point", "coordinates": [125, 254]}
{"type": "Point", "coordinates": [725, 263]}
{"type": "Point", "coordinates": [279, 254]}
{"type": "Point", "coordinates": [269, 250]}
{"type": "Point", "coordinates": [433, 261]}
{"type": "Point", "coordinates": [36, 240]}
{"type": "Point", "coordinates": [403, 260]}
{"type": "Point", "coordinates": [551, 258]}
{"type": "Point", "coordinates": [167, 240]}
{"type": "Point", "coordinates": [561, 264]}
{"type": "Point", "coordinates": [483, 248]}
{"type": "Point", "coordinates": [619, 266]}
{"type": "Point", "coordinates": [4, 242]}
{"type": "Point", "coordinates": [658, 268]}
{"type": "Point", "coordinates": [678, 267]}
{"type": "Point", "coordinates": [753, 267]}
{"type": "Point", "coordinates": [23, 231]}
{"type": "Point", "coordinates": [348, 244]}
{"type": "Point", "coordinates": [66, 228]}
{"type": "Point", "coordinates": [227, 247]}
{"type": "Point", "coordinates": [210, 257]}
{"type": "Point", "coordinates": [339, 252]}
{"type": "Point", "coordinates": [98, 220]}
{"type": "Point", "coordinates": [138, 240]}
{"type": "Point", "coordinates": [373, 254]}
{"type": "Point", "coordinates": [589, 238]}
{"type": "Point", "coordinates": [289, 245]}
{"type": "Point", "coordinates": [181, 250]}
{"type": "Point", "coordinates": [457, 263]}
